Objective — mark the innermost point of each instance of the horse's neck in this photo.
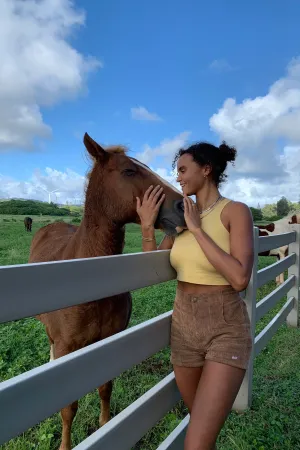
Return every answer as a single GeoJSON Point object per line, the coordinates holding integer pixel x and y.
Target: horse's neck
{"type": "Point", "coordinates": [101, 238]}
{"type": "Point", "coordinates": [99, 235]}
{"type": "Point", "coordinates": [283, 221]}
{"type": "Point", "coordinates": [282, 225]}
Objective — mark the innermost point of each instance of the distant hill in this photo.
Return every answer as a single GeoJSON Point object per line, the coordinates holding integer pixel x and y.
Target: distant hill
{"type": "Point", "coordinates": [36, 207]}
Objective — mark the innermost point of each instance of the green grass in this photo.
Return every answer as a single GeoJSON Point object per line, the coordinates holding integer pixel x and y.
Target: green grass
{"type": "Point", "coordinates": [271, 423]}
{"type": "Point", "coordinates": [38, 220]}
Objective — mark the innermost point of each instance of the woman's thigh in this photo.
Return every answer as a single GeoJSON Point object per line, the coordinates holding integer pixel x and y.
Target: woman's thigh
{"type": "Point", "coordinates": [213, 400]}
{"type": "Point", "coordinates": [187, 379]}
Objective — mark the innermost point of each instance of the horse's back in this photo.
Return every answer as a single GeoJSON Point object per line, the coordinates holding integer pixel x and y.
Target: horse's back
{"type": "Point", "coordinates": [49, 242]}
{"type": "Point", "coordinates": [102, 318]}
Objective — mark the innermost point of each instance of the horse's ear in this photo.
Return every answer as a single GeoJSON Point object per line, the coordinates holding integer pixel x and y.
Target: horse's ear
{"type": "Point", "coordinates": [94, 149]}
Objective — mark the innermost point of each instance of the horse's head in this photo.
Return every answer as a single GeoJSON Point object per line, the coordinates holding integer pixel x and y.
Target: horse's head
{"type": "Point", "coordinates": [295, 219]}
{"type": "Point", "coordinates": [117, 179]}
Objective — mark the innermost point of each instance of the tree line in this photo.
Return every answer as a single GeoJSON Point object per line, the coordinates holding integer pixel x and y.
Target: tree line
{"type": "Point", "coordinates": [275, 211]}
{"type": "Point", "coordinates": [270, 212]}
{"type": "Point", "coordinates": [32, 207]}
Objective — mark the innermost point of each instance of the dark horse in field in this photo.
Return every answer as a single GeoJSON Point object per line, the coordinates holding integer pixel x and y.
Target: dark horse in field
{"type": "Point", "coordinates": [28, 223]}
{"type": "Point", "coordinates": [114, 182]}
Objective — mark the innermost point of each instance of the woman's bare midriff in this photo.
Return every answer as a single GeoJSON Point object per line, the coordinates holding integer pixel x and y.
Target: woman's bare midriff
{"type": "Point", "coordinates": [192, 288]}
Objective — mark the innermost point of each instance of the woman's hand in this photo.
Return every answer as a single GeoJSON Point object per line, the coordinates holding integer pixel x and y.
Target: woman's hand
{"type": "Point", "coordinates": [191, 215]}
{"type": "Point", "coordinates": [149, 208]}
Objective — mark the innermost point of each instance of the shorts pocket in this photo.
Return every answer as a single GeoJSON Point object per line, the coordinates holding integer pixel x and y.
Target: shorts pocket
{"type": "Point", "coordinates": [233, 311]}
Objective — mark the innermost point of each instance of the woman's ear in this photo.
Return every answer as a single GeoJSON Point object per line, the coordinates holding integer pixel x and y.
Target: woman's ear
{"type": "Point", "coordinates": [207, 170]}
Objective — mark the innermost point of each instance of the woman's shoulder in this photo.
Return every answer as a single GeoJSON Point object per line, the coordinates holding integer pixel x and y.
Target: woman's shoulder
{"type": "Point", "coordinates": [236, 210]}
{"type": "Point", "coordinates": [235, 205]}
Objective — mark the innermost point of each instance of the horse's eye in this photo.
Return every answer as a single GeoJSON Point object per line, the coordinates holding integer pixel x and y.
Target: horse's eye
{"type": "Point", "coordinates": [129, 172]}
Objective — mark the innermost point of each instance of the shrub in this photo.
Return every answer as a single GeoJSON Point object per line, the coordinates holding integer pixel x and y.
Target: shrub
{"type": "Point", "coordinates": [76, 220]}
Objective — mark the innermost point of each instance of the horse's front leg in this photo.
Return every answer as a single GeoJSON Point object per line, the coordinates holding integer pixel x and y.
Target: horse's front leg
{"type": "Point", "coordinates": [105, 395]}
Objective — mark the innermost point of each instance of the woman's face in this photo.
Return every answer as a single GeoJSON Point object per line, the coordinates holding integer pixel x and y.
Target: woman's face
{"type": "Point", "coordinates": [191, 175]}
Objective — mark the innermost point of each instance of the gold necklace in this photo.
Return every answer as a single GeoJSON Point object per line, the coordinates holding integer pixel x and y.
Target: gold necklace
{"type": "Point", "coordinates": [211, 206]}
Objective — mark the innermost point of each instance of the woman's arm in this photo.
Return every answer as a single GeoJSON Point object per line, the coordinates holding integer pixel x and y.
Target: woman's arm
{"type": "Point", "coordinates": [166, 243]}
{"type": "Point", "coordinates": [148, 238]}
{"type": "Point", "coordinates": [236, 267]}
{"type": "Point", "coordinates": [149, 241]}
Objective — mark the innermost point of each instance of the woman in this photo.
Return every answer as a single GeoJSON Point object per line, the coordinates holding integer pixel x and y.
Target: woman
{"type": "Point", "coordinates": [210, 333]}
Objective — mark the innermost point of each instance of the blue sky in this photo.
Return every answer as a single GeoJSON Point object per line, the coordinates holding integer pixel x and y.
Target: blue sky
{"type": "Point", "coordinates": [179, 62]}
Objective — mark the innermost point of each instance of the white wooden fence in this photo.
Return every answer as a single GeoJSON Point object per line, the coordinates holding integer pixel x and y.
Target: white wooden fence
{"type": "Point", "coordinates": [27, 290]}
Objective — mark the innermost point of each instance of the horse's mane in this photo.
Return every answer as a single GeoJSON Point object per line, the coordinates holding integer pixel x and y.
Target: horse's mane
{"type": "Point", "coordinates": [116, 149]}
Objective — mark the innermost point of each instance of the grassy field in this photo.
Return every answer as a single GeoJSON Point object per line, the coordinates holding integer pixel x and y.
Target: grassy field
{"type": "Point", "coordinates": [271, 423]}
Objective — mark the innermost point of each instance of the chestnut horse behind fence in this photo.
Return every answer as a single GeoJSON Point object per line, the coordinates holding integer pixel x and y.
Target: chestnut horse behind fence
{"type": "Point", "coordinates": [278, 227]}
{"type": "Point", "coordinates": [114, 182]}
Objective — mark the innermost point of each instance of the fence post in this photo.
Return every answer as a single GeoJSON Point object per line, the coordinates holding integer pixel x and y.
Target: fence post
{"type": "Point", "coordinates": [293, 317]}
{"type": "Point", "coordinates": [244, 397]}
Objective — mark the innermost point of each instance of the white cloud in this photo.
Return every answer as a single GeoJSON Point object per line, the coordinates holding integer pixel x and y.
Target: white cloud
{"type": "Point", "coordinates": [166, 149]}
{"type": "Point", "coordinates": [142, 113]}
{"type": "Point", "coordinates": [39, 67]}
{"type": "Point", "coordinates": [168, 175]}
{"type": "Point", "coordinates": [254, 192]}
{"type": "Point", "coordinates": [255, 126]}
{"type": "Point", "coordinates": [220, 65]}
{"type": "Point", "coordinates": [69, 186]}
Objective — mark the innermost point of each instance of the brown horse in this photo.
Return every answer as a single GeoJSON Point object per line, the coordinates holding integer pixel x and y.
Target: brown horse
{"type": "Point", "coordinates": [295, 219]}
{"type": "Point", "coordinates": [278, 227]}
{"type": "Point", "coordinates": [114, 182]}
{"type": "Point", "coordinates": [28, 223]}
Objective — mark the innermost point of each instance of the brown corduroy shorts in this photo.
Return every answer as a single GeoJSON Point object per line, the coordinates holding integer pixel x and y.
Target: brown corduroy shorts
{"type": "Point", "coordinates": [213, 326]}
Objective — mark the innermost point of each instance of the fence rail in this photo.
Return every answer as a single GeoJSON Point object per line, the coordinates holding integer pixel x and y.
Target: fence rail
{"type": "Point", "coordinates": [269, 273]}
{"type": "Point", "coordinates": [265, 335]}
{"type": "Point", "coordinates": [270, 300]}
{"type": "Point", "coordinates": [279, 240]}
{"type": "Point", "coordinates": [132, 346]}
{"type": "Point", "coordinates": [175, 440]}
{"type": "Point", "coordinates": [147, 410]}
{"type": "Point", "coordinates": [89, 279]}
{"type": "Point", "coordinates": [84, 280]}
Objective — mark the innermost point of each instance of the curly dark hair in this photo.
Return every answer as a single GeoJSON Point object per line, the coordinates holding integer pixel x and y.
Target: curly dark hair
{"type": "Point", "coordinates": [207, 154]}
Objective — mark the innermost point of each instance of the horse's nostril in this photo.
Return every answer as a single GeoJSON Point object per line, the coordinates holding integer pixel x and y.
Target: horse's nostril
{"type": "Point", "coordinates": [179, 206]}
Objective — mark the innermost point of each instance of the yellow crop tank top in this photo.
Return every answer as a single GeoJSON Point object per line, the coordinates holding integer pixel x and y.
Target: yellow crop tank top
{"type": "Point", "coordinates": [187, 257]}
